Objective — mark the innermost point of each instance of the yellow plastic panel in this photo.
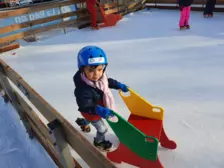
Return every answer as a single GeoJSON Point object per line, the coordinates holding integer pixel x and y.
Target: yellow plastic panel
{"type": "Point", "coordinates": [139, 106]}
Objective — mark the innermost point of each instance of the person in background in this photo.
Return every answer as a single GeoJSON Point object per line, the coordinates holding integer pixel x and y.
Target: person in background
{"type": "Point", "coordinates": [210, 5]}
{"type": "Point", "coordinates": [185, 9]}
{"type": "Point", "coordinates": [91, 6]}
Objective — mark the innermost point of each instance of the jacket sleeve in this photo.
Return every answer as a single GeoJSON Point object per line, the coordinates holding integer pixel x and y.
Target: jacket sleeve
{"type": "Point", "coordinates": [181, 2]}
{"type": "Point", "coordinates": [191, 2]}
{"type": "Point", "coordinates": [85, 102]}
{"type": "Point", "coordinates": [113, 84]}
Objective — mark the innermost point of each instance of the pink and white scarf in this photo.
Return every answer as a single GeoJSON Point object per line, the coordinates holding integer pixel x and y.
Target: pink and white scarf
{"type": "Point", "coordinates": [102, 84]}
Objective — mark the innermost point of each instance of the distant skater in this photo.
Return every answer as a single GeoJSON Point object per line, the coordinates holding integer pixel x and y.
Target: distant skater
{"type": "Point", "coordinates": [209, 8]}
{"type": "Point", "coordinates": [91, 6]}
{"type": "Point", "coordinates": [185, 8]}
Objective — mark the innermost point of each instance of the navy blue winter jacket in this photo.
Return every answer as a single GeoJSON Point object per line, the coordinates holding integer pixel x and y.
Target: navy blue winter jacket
{"type": "Point", "coordinates": [88, 97]}
{"type": "Point", "coordinates": [185, 3]}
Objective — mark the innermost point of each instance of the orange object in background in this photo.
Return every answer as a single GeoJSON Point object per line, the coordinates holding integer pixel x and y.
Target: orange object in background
{"type": "Point", "coordinates": [109, 19]}
{"type": "Point", "coordinates": [9, 47]}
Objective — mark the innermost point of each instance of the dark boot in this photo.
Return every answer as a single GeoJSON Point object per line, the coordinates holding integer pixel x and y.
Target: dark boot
{"type": "Point", "coordinates": [104, 145]}
{"type": "Point", "coordinates": [187, 27]}
{"type": "Point", "coordinates": [83, 124]}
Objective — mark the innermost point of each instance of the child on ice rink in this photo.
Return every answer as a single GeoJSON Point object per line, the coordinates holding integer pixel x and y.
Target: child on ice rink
{"type": "Point", "coordinates": [185, 8]}
{"type": "Point", "coordinates": [92, 92]}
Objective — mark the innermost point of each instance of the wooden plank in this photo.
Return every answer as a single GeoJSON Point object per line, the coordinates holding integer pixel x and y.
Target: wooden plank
{"type": "Point", "coordinates": [132, 5]}
{"type": "Point", "coordinates": [3, 94]}
{"type": "Point", "coordinates": [37, 30]}
{"type": "Point", "coordinates": [199, 2]}
{"type": "Point", "coordinates": [109, 11]}
{"type": "Point", "coordinates": [77, 165]}
{"type": "Point", "coordinates": [138, 6]}
{"type": "Point", "coordinates": [15, 27]}
{"type": "Point", "coordinates": [12, 97]}
{"type": "Point", "coordinates": [219, 2]}
{"type": "Point", "coordinates": [41, 130]}
{"type": "Point", "coordinates": [50, 149]}
{"type": "Point", "coordinates": [61, 145]}
{"type": "Point", "coordinates": [121, 9]}
{"type": "Point", "coordinates": [85, 149]}
{"type": "Point", "coordinates": [15, 78]}
{"type": "Point", "coordinates": [166, 1]}
{"type": "Point", "coordinates": [35, 119]}
{"type": "Point", "coordinates": [36, 8]}
{"type": "Point", "coordinates": [9, 47]}
{"type": "Point", "coordinates": [110, 5]}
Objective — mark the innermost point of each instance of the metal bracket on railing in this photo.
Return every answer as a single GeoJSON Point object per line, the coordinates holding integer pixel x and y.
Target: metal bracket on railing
{"type": "Point", "coordinates": [60, 144]}
{"type": "Point", "coordinates": [2, 69]}
{"type": "Point", "coordinates": [4, 95]}
{"type": "Point", "coordinates": [23, 90]}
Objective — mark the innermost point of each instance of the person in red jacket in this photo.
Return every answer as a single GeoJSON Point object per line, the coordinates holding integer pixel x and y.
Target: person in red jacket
{"type": "Point", "coordinates": [92, 10]}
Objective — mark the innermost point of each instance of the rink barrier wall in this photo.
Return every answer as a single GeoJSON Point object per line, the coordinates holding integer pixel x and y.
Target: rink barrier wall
{"type": "Point", "coordinates": [47, 125]}
{"type": "Point", "coordinates": [26, 22]}
{"type": "Point", "coordinates": [198, 5]}
{"type": "Point", "coordinates": [29, 21]}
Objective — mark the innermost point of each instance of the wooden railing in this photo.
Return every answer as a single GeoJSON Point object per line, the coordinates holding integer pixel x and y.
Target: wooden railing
{"type": "Point", "coordinates": [79, 17]}
{"type": "Point", "coordinates": [28, 22]}
{"type": "Point", "coordinates": [57, 134]}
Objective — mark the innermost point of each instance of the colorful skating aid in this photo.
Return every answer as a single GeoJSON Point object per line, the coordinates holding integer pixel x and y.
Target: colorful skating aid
{"type": "Point", "coordinates": [140, 107]}
{"type": "Point", "coordinates": [144, 121]}
{"type": "Point", "coordinates": [144, 146]}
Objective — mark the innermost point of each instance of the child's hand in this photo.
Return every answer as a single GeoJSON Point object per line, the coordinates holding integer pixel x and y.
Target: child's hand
{"type": "Point", "coordinates": [104, 112]}
{"type": "Point", "coordinates": [122, 86]}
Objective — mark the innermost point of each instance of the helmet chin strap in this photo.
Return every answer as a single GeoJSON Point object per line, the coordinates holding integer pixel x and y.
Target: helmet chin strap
{"type": "Point", "coordinates": [105, 68]}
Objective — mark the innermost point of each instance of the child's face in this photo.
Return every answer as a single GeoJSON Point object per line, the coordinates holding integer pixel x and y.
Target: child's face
{"type": "Point", "coordinates": [94, 73]}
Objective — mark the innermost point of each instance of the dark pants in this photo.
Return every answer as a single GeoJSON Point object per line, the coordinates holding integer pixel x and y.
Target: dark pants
{"type": "Point", "coordinates": [210, 5]}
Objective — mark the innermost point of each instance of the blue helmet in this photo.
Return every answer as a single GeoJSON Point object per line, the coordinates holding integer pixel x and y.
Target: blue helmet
{"type": "Point", "coordinates": [91, 56]}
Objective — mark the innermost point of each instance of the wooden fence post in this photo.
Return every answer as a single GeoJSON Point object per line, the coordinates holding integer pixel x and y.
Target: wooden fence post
{"type": "Point", "coordinates": [40, 130]}
{"type": "Point", "coordinates": [61, 144]}
{"type": "Point", "coordinates": [62, 19]}
{"type": "Point", "coordinates": [34, 36]}
{"type": "Point", "coordinates": [93, 157]}
{"type": "Point", "coordinates": [3, 94]}
{"type": "Point", "coordinates": [12, 97]}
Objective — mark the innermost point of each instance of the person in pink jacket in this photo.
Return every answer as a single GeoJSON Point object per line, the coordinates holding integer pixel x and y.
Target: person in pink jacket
{"type": "Point", "coordinates": [185, 8]}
